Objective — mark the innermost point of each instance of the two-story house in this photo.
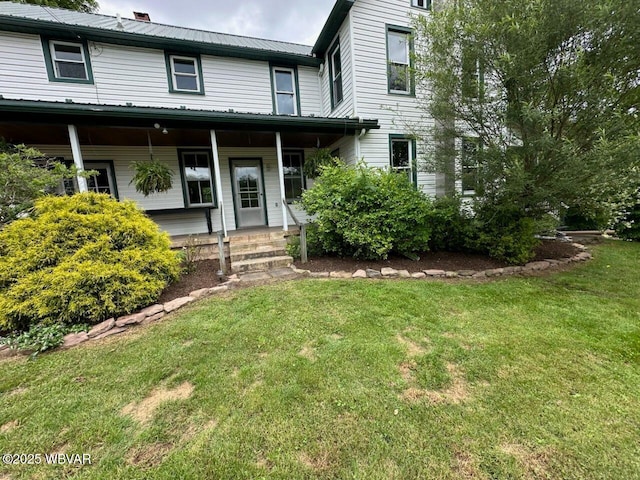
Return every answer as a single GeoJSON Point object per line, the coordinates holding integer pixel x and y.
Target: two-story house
{"type": "Point", "coordinates": [233, 117]}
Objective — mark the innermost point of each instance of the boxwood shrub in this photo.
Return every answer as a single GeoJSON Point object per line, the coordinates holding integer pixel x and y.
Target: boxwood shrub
{"type": "Point", "coordinates": [81, 259]}
{"type": "Point", "coordinates": [367, 213]}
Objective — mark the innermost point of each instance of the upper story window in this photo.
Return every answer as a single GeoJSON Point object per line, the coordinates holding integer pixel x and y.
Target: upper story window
{"type": "Point", "coordinates": [426, 4]}
{"type": "Point", "coordinates": [67, 61]}
{"type": "Point", "coordinates": [335, 73]}
{"type": "Point", "coordinates": [472, 75]}
{"type": "Point", "coordinates": [197, 178]}
{"type": "Point", "coordinates": [399, 60]}
{"type": "Point", "coordinates": [469, 165]}
{"type": "Point", "coordinates": [284, 91]}
{"type": "Point", "coordinates": [185, 74]}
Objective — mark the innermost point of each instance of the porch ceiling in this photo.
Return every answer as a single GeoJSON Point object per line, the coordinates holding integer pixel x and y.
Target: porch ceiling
{"type": "Point", "coordinates": [51, 134]}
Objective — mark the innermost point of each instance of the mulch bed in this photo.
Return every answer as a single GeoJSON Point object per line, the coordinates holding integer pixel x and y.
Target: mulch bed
{"type": "Point", "coordinates": [453, 261]}
{"type": "Point", "coordinates": [204, 275]}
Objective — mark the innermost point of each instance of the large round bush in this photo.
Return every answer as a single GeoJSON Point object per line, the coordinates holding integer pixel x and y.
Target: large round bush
{"type": "Point", "coordinates": [81, 259]}
{"type": "Point", "coordinates": [367, 213]}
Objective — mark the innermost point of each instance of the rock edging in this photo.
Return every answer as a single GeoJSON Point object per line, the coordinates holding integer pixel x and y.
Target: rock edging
{"type": "Point", "coordinates": [387, 272]}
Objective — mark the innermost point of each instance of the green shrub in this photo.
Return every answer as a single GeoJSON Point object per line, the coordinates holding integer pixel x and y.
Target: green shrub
{"type": "Point", "coordinates": [81, 259]}
{"type": "Point", "coordinates": [451, 225]}
{"type": "Point", "coordinates": [504, 234]}
{"type": "Point", "coordinates": [40, 338]}
{"type": "Point", "coordinates": [293, 247]}
{"type": "Point", "coordinates": [367, 213]}
{"type": "Point", "coordinates": [628, 228]}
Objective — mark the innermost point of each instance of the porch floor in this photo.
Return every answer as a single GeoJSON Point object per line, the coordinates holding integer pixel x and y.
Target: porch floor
{"type": "Point", "coordinates": [178, 241]}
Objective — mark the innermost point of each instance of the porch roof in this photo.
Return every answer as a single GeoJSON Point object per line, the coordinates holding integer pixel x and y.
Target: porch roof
{"type": "Point", "coordinates": [135, 116]}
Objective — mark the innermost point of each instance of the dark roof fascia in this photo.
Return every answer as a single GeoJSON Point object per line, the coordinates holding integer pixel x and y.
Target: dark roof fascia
{"type": "Point", "coordinates": [63, 30]}
{"type": "Point", "coordinates": [107, 115]}
{"type": "Point", "coordinates": [332, 25]}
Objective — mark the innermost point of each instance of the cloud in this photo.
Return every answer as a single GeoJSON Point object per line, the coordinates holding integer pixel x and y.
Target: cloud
{"type": "Point", "coordinates": [298, 21]}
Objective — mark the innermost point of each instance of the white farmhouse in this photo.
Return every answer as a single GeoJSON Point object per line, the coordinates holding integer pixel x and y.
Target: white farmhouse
{"type": "Point", "coordinates": [233, 117]}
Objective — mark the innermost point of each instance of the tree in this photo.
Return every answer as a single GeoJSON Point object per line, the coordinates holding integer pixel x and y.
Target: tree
{"type": "Point", "coordinates": [87, 6]}
{"type": "Point", "coordinates": [25, 174]}
{"type": "Point", "coordinates": [548, 89]}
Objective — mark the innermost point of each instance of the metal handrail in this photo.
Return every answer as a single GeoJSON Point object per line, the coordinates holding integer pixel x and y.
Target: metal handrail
{"type": "Point", "coordinates": [303, 232]}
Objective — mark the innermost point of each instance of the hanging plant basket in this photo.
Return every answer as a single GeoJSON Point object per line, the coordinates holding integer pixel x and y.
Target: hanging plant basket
{"type": "Point", "coordinates": [151, 177]}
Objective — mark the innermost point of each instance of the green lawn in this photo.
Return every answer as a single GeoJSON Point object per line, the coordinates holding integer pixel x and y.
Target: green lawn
{"type": "Point", "coordinates": [515, 378]}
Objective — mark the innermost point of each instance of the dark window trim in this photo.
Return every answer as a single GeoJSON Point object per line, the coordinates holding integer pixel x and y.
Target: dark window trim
{"type": "Point", "coordinates": [304, 178]}
{"type": "Point", "coordinates": [183, 180]}
{"type": "Point", "coordinates": [51, 70]}
{"type": "Point", "coordinates": [332, 50]}
{"type": "Point", "coordinates": [296, 82]}
{"type": "Point", "coordinates": [478, 144]}
{"type": "Point", "coordinates": [412, 83]}
{"type": "Point", "coordinates": [167, 64]}
{"type": "Point", "coordinates": [112, 168]}
{"type": "Point", "coordinates": [413, 159]}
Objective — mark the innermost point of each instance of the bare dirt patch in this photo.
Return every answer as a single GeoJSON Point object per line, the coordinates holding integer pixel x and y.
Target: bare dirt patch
{"type": "Point", "coordinates": [308, 352]}
{"type": "Point", "coordinates": [318, 463]}
{"type": "Point", "coordinates": [9, 426]}
{"type": "Point", "coordinates": [456, 393]}
{"type": "Point", "coordinates": [336, 336]}
{"type": "Point", "coordinates": [263, 462]}
{"type": "Point", "coordinates": [193, 430]}
{"type": "Point", "coordinates": [17, 391]}
{"type": "Point", "coordinates": [534, 463]}
{"type": "Point", "coordinates": [149, 455]}
{"type": "Point", "coordinates": [406, 370]}
{"type": "Point", "coordinates": [466, 466]}
{"type": "Point", "coordinates": [413, 349]}
{"type": "Point", "coordinates": [143, 412]}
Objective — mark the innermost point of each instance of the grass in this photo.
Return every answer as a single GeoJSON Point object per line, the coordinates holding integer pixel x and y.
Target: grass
{"type": "Point", "coordinates": [515, 378]}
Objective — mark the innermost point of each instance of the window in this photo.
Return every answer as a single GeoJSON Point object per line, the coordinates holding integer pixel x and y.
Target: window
{"type": "Point", "coordinates": [195, 167]}
{"type": "Point", "coordinates": [67, 61]}
{"type": "Point", "coordinates": [335, 73]}
{"type": "Point", "coordinates": [293, 176]}
{"type": "Point", "coordinates": [472, 80]}
{"type": "Point", "coordinates": [185, 74]}
{"type": "Point", "coordinates": [426, 4]}
{"type": "Point", "coordinates": [403, 155]}
{"type": "Point", "coordinates": [284, 91]}
{"type": "Point", "coordinates": [469, 165]}
{"type": "Point", "coordinates": [103, 181]}
{"type": "Point", "coordinates": [399, 58]}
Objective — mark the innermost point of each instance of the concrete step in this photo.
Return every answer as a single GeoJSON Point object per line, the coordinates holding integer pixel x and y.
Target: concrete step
{"type": "Point", "coordinates": [259, 251]}
{"type": "Point", "coordinates": [264, 245]}
{"type": "Point", "coordinates": [255, 237]}
{"type": "Point", "coordinates": [261, 264]}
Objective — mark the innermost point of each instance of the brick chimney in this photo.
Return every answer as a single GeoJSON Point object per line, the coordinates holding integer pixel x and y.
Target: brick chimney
{"type": "Point", "coordinates": [141, 16]}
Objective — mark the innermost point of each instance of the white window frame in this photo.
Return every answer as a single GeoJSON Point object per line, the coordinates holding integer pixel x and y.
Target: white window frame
{"type": "Point", "coordinates": [185, 181]}
{"type": "Point", "coordinates": [423, 4]}
{"type": "Point", "coordinates": [409, 168]}
{"type": "Point", "coordinates": [335, 77]}
{"type": "Point", "coordinates": [407, 36]}
{"type": "Point", "coordinates": [54, 60]}
{"type": "Point", "coordinates": [175, 74]}
{"type": "Point", "coordinates": [277, 92]}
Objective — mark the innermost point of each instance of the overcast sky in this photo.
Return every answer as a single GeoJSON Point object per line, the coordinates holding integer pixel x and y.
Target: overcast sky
{"type": "Point", "coordinates": [298, 21]}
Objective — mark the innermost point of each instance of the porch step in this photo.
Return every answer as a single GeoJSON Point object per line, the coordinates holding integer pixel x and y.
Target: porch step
{"type": "Point", "coordinates": [261, 264]}
{"type": "Point", "coordinates": [258, 251]}
{"type": "Point", "coordinates": [266, 246]}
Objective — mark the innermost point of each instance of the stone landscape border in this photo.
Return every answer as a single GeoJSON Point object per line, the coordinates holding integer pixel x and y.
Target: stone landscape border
{"type": "Point", "coordinates": [153, 313]}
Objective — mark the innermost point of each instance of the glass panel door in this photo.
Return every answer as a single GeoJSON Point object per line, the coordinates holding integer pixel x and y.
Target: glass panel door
{"type": "Point", "coordinates": [249, 196]}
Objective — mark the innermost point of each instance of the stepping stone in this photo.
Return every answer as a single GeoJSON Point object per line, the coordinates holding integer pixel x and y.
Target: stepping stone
{"type": "Point", "coordinates": [282, 273]}
{"type": "Point", "coordinates": [255, 277]}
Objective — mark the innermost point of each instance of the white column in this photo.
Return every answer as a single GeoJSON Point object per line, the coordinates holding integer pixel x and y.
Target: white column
{"type": "Point", "coordinates": [216, 171]}
{"type": "Point", "coordinates": [283, 200]}
{"type": "Point", "coordinates": [77, 157]}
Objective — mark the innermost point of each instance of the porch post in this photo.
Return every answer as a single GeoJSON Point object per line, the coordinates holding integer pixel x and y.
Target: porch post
{"type": "Point", "coordinates": [216, 171]}
{"type": "Point", "coordinates": [77, 158]}
{"type": "Point", "coordinates": [283, 200]}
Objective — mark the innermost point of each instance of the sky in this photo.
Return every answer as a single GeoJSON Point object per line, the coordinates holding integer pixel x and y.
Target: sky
{"type": "Point", "coordinates": [297, 21]}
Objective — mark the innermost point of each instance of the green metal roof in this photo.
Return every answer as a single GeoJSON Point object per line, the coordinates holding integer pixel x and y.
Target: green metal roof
{"type": "Point", "coordinates": [14, 111]}
{"type": "Point", "coordinates": [332, 25]}
{"type": "Point", "coordinates": [37, 19]}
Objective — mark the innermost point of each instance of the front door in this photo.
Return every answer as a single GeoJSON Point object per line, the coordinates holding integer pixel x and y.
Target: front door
{"type": "Point", "coordinates": [248, 192]}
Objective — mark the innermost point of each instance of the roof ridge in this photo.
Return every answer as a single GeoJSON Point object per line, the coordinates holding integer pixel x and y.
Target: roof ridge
{"type": "Point", "coordinates": [55, 20]}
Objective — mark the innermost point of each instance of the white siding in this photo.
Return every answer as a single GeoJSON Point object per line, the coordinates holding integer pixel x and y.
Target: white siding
{"type": "Point", "coordinates": [125, 74]}
{"type": "Point", "coordinates": [345, 108]}
{"type": "Point", "coordinates": [397, 114]}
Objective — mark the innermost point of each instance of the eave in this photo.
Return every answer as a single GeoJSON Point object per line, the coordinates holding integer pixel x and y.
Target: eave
{"type": "Point", "coordinates": [25, 111]}
{"type": "Point", "coordinates": [71, 32]}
